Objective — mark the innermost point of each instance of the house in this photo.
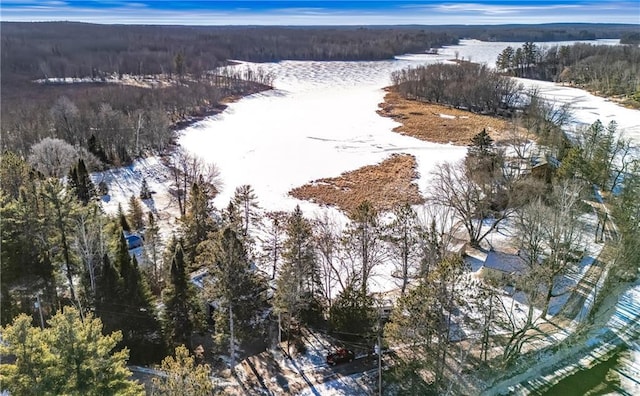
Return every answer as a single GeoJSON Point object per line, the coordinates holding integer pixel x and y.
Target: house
{"type": "Point", "coordinates": [500, 266]}
{"type": "Point", "coordinates": [134, 241]}
{"type": "Point", "coordinates": [135, 245]}
{"type": "Point", "coordinates": [543, 167]}
{"type": "Point", "coordinates": [474, 258]}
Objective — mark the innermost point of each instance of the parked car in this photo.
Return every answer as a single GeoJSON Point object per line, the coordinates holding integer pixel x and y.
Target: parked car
{"type": "Point", "coordinates": [340, 356]}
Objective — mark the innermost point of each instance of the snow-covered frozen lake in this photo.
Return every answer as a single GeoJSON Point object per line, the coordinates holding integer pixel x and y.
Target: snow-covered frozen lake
{"type": "Point", "coordinates": [321, 120]}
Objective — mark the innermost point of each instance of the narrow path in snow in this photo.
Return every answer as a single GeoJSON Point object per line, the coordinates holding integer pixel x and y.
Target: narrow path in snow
{"type": "Point", "coordinates": [571, 309]}
{"type": "Point", "coordinates": [615, 324]}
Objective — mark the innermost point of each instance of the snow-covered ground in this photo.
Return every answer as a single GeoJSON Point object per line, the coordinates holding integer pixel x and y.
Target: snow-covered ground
{"type": "Point", "coordinates": [353, 385]}
{"type": "Point", "coordinates": [127, 181]}
{"type": "Point", "coordinates": [587, 108]}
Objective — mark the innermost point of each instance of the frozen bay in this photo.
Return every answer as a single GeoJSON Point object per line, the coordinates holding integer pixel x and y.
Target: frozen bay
{"type": "Point", "coordinates": [320, 120]}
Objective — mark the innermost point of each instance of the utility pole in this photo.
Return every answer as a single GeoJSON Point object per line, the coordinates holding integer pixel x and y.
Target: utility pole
{"type": "Point", "coordinates": [138, 134]}
{"type": "Point", "coordinates": [231, 342]}
{"type": "Point", "coordinates": [279, 328]}
{"type": "Point", "coordinates": [39, 304]}
{"type": "Point", "coordinates": [379, 355]}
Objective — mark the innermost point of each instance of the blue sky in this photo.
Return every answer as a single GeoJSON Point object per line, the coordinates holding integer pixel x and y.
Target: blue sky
{"type": "Point", "coordinates": [332, 12]}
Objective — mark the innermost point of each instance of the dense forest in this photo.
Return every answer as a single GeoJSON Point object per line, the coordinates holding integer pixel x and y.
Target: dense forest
{"type": "Point", "coordinates": [79, 50]}
{"type": "Point", "coordinates": [465, 85]}
{"type": "Point", "coordinates": [117, 120]}
{"type": "Point", "coordinates": [607, 70]}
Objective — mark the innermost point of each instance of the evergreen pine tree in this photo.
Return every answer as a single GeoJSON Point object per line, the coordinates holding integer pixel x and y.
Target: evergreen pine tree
{"type": "Point", "coordinates": [246, 201]}
{"type": "Point", "coordinates": [183, 311]}
{"type": "Point", "coordinates": [69, 357]}
{"type": "Point", "coordinates": [353, 312]}
{"type": "Point", "coordinates": [72, 180]}
{"type": "Point", "coordinates": [481, 144]}
{"type": "Point", "coordinates": [136, 214]}
{"type": "Point", "coordinates": [299, 292]}
{"type": "Point", "coordinates": [140, 327]}
{"type": "Point", "coordinates": [24, 256]}
{"type": "Point", "coordinates": [198, 221]}
{"type": "Point", "coordinates": [238, 292]}
{"type": "Point", "coordinates": [61, 208]}
{"type": "Point", "coordinates": [273, 239]}
{"type": "Point", "coordinates": [86, 189]}
{"type": "Point", "coordinates": [363, 238]}
{"type": "Point", "coordinates": [109, 292]}
{"type": "Point", "coordinates": [184, 376]}
{"type": "Point", "coordinates": [14, 174]}
{"type": "Point", "coordinates": [152, 250]}
{"type": "Point", "coordinates": [124, 223]}
{"type": "Point", "coordinates": [96, 148]}
{"type": "Point", "coordinates": [80, 182]}
{"type": "Point", "coordinates": [145, 193]}
{"type": "Point", "coordinates": [403, 243]}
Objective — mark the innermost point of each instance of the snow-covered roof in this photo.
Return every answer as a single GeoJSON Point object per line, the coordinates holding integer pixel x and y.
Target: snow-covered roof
{"type": "Point", "coordinates": [507, 263]}
{"type": "Point", "coordinates": [474, 258]}
{"type": "Point", "coordinates": [198, 277]}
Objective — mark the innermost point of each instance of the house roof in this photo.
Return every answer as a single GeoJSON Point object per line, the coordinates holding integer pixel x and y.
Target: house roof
{"type": "Point", "coordinates": [474, 258]}
{"type": "Point", "coordinates": [503, 262]}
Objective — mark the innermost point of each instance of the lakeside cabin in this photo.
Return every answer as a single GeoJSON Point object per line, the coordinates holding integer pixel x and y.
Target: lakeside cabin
{"type": "Point", "coordinates": [494, 265]}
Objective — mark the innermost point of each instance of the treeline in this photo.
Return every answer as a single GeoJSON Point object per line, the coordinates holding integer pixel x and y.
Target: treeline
{"type": "Point", "coordinates": [630, 38]}
{"type": "Point", "coordinates": [608, 70]}
{"type": "Point", "coordinates": [64, 49]}
{"type": "Point", "coordinates": [548, 32]}
{"type": "Point", "coordinates": [114, 122]}
{"type": "Point", "coordinates": [117, 122]}
{"type": "Point", "coordinates": [464, 85]}
{"type": "Point", "coordinates": [121, 121]}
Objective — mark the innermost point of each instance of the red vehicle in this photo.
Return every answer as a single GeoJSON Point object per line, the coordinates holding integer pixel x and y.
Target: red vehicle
{"type": "Point", "coordinates": [340, 356]}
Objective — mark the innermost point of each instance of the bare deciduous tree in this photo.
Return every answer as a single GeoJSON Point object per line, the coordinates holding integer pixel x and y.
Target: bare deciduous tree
{"type": "Point", "coordinates": [187, 169]}
{"type": "Point", "coordinates": [548, 240]}
{"type": "Point", "coordinates": [454, 186]}
{"type": "Point", "coordinates": [64, 114]}
{"type": "Point", "coordinates": [326, 233]}
{"type": "Point", "coordinates": [362, 240]}
{"type": "Point", "coordinates": [53, 157]}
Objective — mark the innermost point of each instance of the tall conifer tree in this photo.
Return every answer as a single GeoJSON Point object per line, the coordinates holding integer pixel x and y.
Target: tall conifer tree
{"type": "Point", "coordinates": [183, 311]}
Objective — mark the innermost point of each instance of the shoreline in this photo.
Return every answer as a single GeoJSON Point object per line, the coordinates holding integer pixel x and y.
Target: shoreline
{"type": "Point", "coordinates": [439, 123]}
{"type": "Point", "coordinates": [217, 108]}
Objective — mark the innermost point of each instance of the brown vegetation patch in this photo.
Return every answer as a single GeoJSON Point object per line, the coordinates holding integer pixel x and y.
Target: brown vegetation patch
{"type": "Point", "coordinates": [439, 123]}
{"type": "Point", "coordinates": [385, 185]}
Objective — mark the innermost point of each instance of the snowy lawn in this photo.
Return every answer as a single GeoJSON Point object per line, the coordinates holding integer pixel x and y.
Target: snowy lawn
{"type": "Point", "coordinates": [127, 181]}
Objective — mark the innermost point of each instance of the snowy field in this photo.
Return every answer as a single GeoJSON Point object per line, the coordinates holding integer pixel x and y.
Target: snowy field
{"type": "Point", "coordinates": [127, 181]}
